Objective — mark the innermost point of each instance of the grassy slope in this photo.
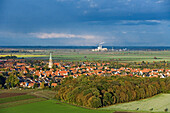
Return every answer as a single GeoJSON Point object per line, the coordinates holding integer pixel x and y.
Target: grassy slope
{"type": "Point", "coordinates": [158, 103]}
{"type": "Point", "coordinates": [16, 98]}
{"type": "Point", "coordinates": [37, 105]}
{"type": "Point", "coordinates": [21, 102]}
{"type": "Point", "coordinates": [48, 94]}
{"type": "Point", "coordinates": [51, 106]}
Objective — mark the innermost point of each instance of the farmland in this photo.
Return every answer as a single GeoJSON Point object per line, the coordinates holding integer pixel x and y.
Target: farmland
{"type": "Point", "coordinates": [35, 101]}
{"type": "Point", "coordinates": [25, 56]}
{"type": "Point", "coordinates": [9, 98]}
{"type": "Point", "coordinates": [51, 106]}
{"type": "Point", "coordinates": [28, 103]}
{"type": "Point", "coordinates": [157, 103]}
{"type": "Point", "coordinates": [84, 55]}
{"type": "Point", "coordinates": [39, 104]}
{"type": "Point", "coordinates": [15, 98]}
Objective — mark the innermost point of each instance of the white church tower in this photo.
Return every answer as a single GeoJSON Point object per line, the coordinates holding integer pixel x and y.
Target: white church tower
{"type": "Point", "coordinates": [50, 61]}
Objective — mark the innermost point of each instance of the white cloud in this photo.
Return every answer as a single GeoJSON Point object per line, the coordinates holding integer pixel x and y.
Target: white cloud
{"type": "Point", "coordinates": [124, 32]}
{"type": "Point", "coordinates": [155, 21]}
{"type": "Point", "coordinates": [140, 21]}
{"type": "Point", "coordinates": [159, 1]}
{"type": "Point", "coordinates": [61, 35]}
{"type": "Point", "coordinates": [92, 3]}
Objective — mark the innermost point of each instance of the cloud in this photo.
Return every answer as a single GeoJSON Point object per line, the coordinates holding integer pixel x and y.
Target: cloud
{"type": "Point", "coordinates": [124, 32]}
{"type": "Point", "coordinates": [159, 1]}
{"type": "Point", "coordinates": [154, 21]}
{"type": "Point", "coordinates": [140, 22]}
{"type": "Point", "coordinates": [61, 35]}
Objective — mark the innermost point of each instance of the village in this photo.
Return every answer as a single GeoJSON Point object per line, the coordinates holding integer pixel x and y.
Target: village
{"type": "Point", "coordinates": [51, 74]}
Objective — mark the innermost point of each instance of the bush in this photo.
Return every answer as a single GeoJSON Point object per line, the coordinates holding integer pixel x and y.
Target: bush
{"type": "Point", "coordinates": [94, 102]}
{"type": "Point", "coordinates": [166, 110]}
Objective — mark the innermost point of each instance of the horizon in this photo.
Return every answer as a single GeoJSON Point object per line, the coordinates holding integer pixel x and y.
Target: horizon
{"type": "Point", "coordinates": [129, 48]}
{"type": "Point", "coordinates": [80, 46]}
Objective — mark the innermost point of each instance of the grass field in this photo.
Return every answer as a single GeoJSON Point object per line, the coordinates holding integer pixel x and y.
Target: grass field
{"type": "Point", "coordinates": [159, 103]}
{"type": "Point", "coordinates": [23, 55]}
{"type": "Point", "coordinates": [10, 98]}
{"type": "Point", "coordinates": [127, 56]}
{"type": "Point", "coordinates": [45, 103]}
{"type": "Point", "coordinates": [83, 55]}
{"type": "Point", "coordinates": [49, 106]}
{"type": "Point", "coordinates": [21, 102]}
{"type": "Point", "coordinates": [16, 98]}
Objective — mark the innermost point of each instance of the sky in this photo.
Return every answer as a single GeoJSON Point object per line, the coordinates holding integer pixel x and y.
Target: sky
{"type": "Point", "coordinates": [84, 22]}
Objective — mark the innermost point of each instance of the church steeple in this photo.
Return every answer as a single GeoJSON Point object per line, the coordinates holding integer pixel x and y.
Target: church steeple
{"type": "Point", "coordinates": [50, 61]}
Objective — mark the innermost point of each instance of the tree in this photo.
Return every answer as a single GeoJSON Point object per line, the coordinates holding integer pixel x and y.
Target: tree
{"type": "Point", "coordinates": [42, 85]}
{"type": "Point", "coordinates": [35, 85]}
{"type": "Point", "coordinates": [94, 102]}
{"type": "Point", "coordinates": [107, 99]}
{"type": "Point", "coordinates": [166, 110]}
{"type": "Point", "coordinates": [36, 76]}
{"type": "Point", "coordinates": [2, 80]}
{"type": "Point", "coordinates": [54, 67]}
{"type": "Point", "coordinates": [12, 80]}
{"type": "Point", "coordinates": [97, 91]}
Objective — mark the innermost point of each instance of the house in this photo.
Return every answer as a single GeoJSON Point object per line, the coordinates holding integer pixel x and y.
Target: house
{"type": "Point", "coordinates": [23, 84]}
{"type": "Point", "coordinates": [53, 84]}
{"type": "Point", "coordinates": [30, 85]}
{"type": "Point", "coordinates": [64, 73]}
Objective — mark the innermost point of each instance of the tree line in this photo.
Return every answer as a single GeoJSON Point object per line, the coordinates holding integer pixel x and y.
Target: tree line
{"type": "Point", "coordinates": [97, 91]}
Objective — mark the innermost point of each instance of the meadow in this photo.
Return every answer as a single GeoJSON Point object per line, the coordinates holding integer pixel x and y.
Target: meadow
{"type": "Point", "coordinates": [47, 106]}
{"type": "Point", "coordinates": [44, 105]}
{"type": "Point", "coordinates": [157, 103]}
{"type": "Point", "coordinates": [84, 55]}
{"type": "Point", "coordinates": [16, 98]}
{"type": "Point", "coordinates": [10, 98]}
{"type": "Point", "coordinates": [24, 55]}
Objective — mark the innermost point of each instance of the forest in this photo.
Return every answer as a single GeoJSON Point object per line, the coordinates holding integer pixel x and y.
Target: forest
{"type": "Point", "coordinates": [97, 91]}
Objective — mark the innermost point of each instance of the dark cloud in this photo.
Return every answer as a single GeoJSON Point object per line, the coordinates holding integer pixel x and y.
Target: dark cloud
{"type": "Point", "coordinates": [84, 17]}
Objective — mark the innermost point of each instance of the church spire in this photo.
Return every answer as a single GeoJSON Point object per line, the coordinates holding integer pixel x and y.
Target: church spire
{"type": "Point", "coordinates": [50, 61]}
{"type": "Point", "coordinates": [50, 56]}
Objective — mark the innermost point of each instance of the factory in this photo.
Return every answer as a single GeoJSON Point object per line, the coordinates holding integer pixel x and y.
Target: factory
{"type": "Point", "coordinates": [100, 48]}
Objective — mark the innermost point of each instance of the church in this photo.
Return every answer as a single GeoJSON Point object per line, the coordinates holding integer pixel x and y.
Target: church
{"type": "Point", "coordinates": [50, 61]}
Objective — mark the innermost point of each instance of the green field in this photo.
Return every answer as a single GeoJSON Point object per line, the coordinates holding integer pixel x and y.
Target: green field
{"type": "Point", "coordinates": [24, 55]}
{"type": "Point", "coordinates": [10, 98]}
{"type": "Point", "coordinates": [16, 98]}
{"type": "Point", "coordinates": [159, 103]}
{"type": "Point", "coordinates": [83, 55]}
{"type": "Point", "coordinates": [18, 103]}
{"type": "Point", "coordinates": [128, 56]}
{"type": "Point", "coordinates": [49, 106]}
{"type": "Point", "coordinates": [45, 103]}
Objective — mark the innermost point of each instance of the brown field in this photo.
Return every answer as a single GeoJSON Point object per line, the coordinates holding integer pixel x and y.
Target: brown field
{"type": "Point", "coordinates": [3, 95]}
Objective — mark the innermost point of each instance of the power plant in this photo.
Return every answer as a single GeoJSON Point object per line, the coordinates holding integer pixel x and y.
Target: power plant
{"type": "Point", "coordinates": [100, 48]}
